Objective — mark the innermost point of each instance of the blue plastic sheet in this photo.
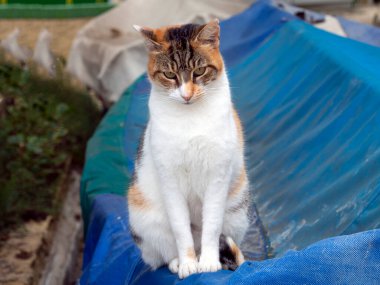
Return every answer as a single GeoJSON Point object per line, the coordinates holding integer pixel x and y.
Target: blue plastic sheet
{"type": "Point", "coordinates": [310, 105]}
{"type": "Point", "coordinates": [312, 124]}
{"type": "Point", "coordinates": [113, 258]}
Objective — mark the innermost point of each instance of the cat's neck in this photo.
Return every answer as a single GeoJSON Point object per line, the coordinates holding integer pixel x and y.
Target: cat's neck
{"type": "Point", "coordinates": [215, 102]}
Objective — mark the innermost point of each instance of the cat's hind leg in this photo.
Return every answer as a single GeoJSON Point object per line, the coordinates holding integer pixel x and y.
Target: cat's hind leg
{"type": "Point", "coordinates": [236, 216]}
{"type": "Point", "coordinates": [236, 222]}
{"type": "Point", "coordinates": [235, 225]}
{"type": "Point", "coordinates": [156, 243]}
{"type": "Point", "coordinates": [166, 254]}
{"type": "Point", "coordinates": [150, 229]}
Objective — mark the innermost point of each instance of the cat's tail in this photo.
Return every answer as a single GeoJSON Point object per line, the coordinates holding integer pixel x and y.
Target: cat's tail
{"type": "Point", "coordinates": [230, 254]}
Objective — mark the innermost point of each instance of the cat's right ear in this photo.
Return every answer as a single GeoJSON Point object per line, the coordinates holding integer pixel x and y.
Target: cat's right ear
{"type": "Point", "coordinates": [149, 38]}
{"type": "Point", "coordinates": [209, 34]}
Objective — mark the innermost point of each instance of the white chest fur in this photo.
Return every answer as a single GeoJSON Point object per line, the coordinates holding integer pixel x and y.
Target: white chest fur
{"type": "Point", "coordinates": [193, 141]}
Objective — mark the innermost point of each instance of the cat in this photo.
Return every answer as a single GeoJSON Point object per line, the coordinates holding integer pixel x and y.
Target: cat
{"type": "Point", "coordinates": [189, 196]}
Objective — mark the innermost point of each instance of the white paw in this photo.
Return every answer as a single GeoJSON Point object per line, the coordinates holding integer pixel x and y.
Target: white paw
{"type": "Point", "coordinates": [208, 265]}
{"type": "Point", "coordinates": [187, 268]}
{"type": "Point", "coordinates": [173, 265]}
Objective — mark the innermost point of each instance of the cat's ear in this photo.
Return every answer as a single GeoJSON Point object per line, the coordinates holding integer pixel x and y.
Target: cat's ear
{"type": "Point", "coordinates": [209, 34]}
{"type": "Point", "coordinates": [149, 38]}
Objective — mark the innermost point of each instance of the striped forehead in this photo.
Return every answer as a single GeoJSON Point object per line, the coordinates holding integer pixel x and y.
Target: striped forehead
{"type": "Point", "coordinates": [180, 51]}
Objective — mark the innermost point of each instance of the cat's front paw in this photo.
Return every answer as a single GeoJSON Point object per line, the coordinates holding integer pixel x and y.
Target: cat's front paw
{"type": "Point", "coordinates": [173, 265]}
{"type": "Point", "coordinates": [208, 264]}
{"type": "Point", "coordinates": [187, 268]}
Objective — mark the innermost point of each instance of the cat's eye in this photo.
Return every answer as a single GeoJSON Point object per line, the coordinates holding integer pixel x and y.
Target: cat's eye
{"type": "Point", "coordinates": [170, 75]}
{"type": "Point", "coordinates": [199, 71]}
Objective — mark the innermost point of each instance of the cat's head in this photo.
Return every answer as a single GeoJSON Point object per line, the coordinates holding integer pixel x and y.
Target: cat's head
{"type": "Point", "coordinates": [183, 60]}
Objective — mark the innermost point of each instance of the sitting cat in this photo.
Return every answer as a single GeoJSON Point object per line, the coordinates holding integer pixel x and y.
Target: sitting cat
{"type": "Point", "coordinates": [189, 196]}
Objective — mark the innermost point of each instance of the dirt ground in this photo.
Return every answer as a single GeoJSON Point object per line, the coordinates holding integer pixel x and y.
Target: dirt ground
{"type": "Point", "coordinates": [63, 32]}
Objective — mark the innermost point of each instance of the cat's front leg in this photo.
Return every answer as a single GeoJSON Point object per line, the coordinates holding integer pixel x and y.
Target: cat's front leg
{"type": "Point", "coordinates": [179, 219]}
{"type": "Point", "coordinates": [214, 204]}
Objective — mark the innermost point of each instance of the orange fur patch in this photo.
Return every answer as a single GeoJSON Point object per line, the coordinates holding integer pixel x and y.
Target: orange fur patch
{"type": "Point", "coordinates": [190, 88]}
{"type": "Point", "coordinates": [238, 185]}
{"type": "Point", "coordinates": [191, 253]}
{"type": "Point", "coordinates": [160, 36]}
{"type": "Point", "coordinates": [136, 198]}
{"type": "Point", "coordinates": [239, 257]}
{"type": "Point", "coordinates": [213, 55]}
{"type": "Point", "coordinates": [238, 127]}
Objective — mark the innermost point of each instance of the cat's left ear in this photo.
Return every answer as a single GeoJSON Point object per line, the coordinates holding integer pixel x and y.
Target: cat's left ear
{"type": "Point", "coordinates": [149, 38]}
{"type": "Point", "coordinates": [209, 34]}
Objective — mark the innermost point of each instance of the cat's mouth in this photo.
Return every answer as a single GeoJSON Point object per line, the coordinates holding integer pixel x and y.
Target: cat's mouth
{"type": "Point", "coordinates": [191, 101]}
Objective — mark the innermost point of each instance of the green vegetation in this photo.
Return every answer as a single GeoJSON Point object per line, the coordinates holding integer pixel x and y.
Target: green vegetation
{"type": "Point", "coordinates": [44, 124]}
{"type": "Point", "coordinates": [52, 11]}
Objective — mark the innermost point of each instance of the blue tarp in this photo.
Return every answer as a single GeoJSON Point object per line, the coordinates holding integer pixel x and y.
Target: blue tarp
{"type": "Point", "coordinates": [113, 258]}
{"type": "Point", "coordinates": [310, 105]}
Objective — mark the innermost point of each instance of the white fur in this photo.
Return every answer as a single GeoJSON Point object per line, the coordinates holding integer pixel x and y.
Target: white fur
{"type": "Point", "coordinates": [190, 160]}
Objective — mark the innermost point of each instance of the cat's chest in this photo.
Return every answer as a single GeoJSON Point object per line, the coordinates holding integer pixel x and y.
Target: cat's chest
{"type": "Point", "coordinates": [194, 148]}
{"type": "Point", "coordinates": [201, 151]}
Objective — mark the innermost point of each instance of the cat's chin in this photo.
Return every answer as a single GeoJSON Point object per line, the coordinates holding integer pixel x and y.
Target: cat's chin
{"type": "Point", "coordinates": [195, 100]}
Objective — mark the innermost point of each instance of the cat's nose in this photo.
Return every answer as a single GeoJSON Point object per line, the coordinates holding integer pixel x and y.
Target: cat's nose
{"type": "Point", "coordinates": [187, 92]}
{"type": "Point", "coordinates": [187, 97]}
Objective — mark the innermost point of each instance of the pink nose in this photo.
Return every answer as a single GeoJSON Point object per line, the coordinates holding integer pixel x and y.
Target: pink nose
{"type": "Point", "coordinates": [186, 98]}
